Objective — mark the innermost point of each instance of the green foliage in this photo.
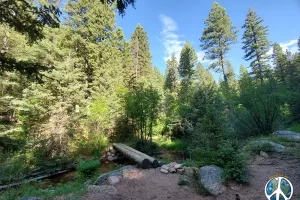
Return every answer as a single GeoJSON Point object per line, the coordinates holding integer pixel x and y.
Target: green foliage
{"type": "Point", "coordinates": [174, 145]}
{"type": "Point", "coordinates": [87, 167]}
{"type": "Point", "coordinates": [256, 147]}
{"type": "Point", "coordinates": [183, 181]}
{"type": "Point", "coordinates": [295, 127]}
{"type": "Point", "coordinates": [171, 74]}
{"type": "Point", "coordinates": [256, 44]}
{"type": "Point", "coordinates": [217, 37]}
{"type": "Point", "coordinates": [146, 146]}
{"type": "Point", "coordinates": [190, 163]}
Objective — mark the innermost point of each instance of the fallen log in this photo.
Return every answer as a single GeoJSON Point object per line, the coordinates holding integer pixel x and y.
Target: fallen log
{"type": "Point", "coordinates": [153, 161]}
{"type": "Point", "coordinates": [143, 161]}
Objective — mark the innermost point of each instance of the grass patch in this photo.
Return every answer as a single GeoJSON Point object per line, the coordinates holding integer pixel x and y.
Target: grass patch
{"type": "Point", "coordinates": [175, 145]}
{"type": "Point", "coordinates": [87, 167]}
{"type": "Point", "coordinates": [190, 163]}
{"type": "Point", "coordinates": [254, 148]}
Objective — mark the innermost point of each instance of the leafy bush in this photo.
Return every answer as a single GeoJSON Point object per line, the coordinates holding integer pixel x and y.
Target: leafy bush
{"type": "Point", "coordinates": [175, 145]}
{"type": "Point", "coordinates": [295, 128]}
{"type": "Point", "coordinates": [253, 148]}
{"type": "Point", "coordinates": [190, 163]}
{"type": "Point", "coordinates": [146, 146]}
{"type": "Point", "coordinates": [87, 167]}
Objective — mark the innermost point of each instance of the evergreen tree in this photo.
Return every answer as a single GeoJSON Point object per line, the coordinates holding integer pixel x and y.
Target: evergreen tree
{"type": "Point", "coordinates": [187, 63]}
{"type": "Point", "coordinates": [203, 76]}
{"type": "Point", "coordinates": [141, 53]}
{"type": "Point", "coordinates": [171, 74]}
{"type": "Point", "coordinates": [217, 37]}
{"type": "Point", "coordinates": [280, 63]}
{"type": "Point", "coordinates": [256, 44]}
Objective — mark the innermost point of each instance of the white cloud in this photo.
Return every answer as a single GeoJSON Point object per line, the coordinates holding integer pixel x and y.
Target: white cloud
{"type": "Point", "coordinates": [171, 39]}
{"type": "Point", "coordinates": [290, 45]}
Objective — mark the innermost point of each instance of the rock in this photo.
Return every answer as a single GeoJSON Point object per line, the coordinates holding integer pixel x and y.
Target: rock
{"type": "Point", "coordinates": [172, 170]}
{"type": "Point", "coordinates": [181, 171]}
{"type": "Point", "coordinates": [172, 164]}
{"type": "Point", "coordinates": [114, 179]}
{"type": "Point", "coordinates": [88, 182]}
{"type": "Point", "coordinates": [101, 178]}
{"type": "Point", "coordinates": [112, 158]}
{"type": "Point", "coordinates": [210, 178]}
{"type": "Point", "coordinates": [288, 135]}
{"type": "Point", "coordinates": [102, 189]}
{"type": "Point", "coordinates": [128, 167]}
{"type": "Point", "coordinates": [263, 154]}
{"type": "Point", "coordinates": [110, 148]}
{"type": "Point", "coordinates": [189, 171]}
{"type": "Point", "coordinates": [108, 153]}
{"type": "Point", "coordinates": [30, 198]}
{"type": "Point", "coordinates": [277, 147]}
{"type": "Point", "coordinates": [167, 167]}
{"type": "Point", "coordinates": [178, 166]}
{"type": "Point", "coordinates": [113, 151]}
{"type": "Point", "coordinates": [116, 173]}
{"type": "Point", "coordinates": [113, 155]}
{"type": "Point", "coordinates": [165, 171]}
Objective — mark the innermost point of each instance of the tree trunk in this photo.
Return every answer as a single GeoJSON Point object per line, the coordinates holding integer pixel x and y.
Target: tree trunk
{"type": "Point", "coordinates": [153, 161]}
{"type": "Point", "coordinates": [142, 160]}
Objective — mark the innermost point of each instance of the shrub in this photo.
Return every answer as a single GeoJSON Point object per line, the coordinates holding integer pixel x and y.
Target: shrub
{"type": "Point", "coordinates": [175, 145]}
{"type": "Point", "coordinates": [253, 148]}
{"type": "Point", "coordinates": [146, 146]}
{"type": "Point", "coordinates": [87, 167]}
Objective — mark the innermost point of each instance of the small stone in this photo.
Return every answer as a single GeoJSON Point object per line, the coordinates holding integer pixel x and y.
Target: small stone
{"type": "Point", "coordinates": [184, 182]}
{"type": "Point", "coordinates": [189, 171]}
{"type": "Point", "coordinates": [178, 166]}
{"type": "Point", "coordinates": [114, 179]}
{"type": "Point", "coordinates": [263, 154]}
{"type": "Point", "coordinates": [113, 151]}
{"type": "Point", "coordinates": [108, 153]}
{"type": "Point", "coordinates": [172, 164]}
{"type": "Point", "coordinates": [167, 167]}
{"type": "Point", "coordinates": [112, 158]}
{"type": "Point", "coordinates": [112, 155]}
{"type": "Point", "coordinates": [172, 170]}
{"type": "Point", "coordinates": [165, 171]}
{"type": "Point", "coordinates": [111, 148]}
{"type": "Point", "coordinates": [102, 189]}
{"type": "Point", "coordinates": [181, 171]}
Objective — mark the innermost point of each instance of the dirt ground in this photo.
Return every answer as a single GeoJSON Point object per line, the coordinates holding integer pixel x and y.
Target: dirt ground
{"type": "Point", "coordinates": [151, 184]}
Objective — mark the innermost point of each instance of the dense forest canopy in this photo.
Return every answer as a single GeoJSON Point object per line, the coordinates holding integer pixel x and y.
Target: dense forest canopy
{"type": "Point", "coordinates": [66, 89]}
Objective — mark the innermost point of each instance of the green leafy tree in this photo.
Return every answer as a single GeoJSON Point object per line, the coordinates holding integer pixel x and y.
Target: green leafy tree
{"type": "Point", "coordinates": [256, 44]}
{"type": "Point", "coordinates": [217, 37]}
{"type": "Point", "coordinates": [171, 80]}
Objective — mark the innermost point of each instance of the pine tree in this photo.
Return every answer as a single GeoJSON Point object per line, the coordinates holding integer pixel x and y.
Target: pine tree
{"type": "Point", "coordinates": [230, 75]}
{"type": "Point", "coordinates": [171, 74]}
{"type": "Point", "coordinates": [217, 37]}
{"type": "Point", "coordinates": [203, 76]}
{"type": "Point", "coordinates": [256, 44]}
{"type": "Point", "coordinates": [187, 63]}
{"type": "Point", "coordinates": [280, 63]}
{"type": "Point", "coordinates": [141, 52]}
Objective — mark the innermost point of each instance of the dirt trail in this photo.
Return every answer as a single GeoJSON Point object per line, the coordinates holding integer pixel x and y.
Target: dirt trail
{"type": "Point", "coordinates": [152, 184]}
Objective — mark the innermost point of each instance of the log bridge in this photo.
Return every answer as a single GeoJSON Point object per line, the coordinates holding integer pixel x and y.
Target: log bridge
{"type": "Point", "coordinates": [142, 159]}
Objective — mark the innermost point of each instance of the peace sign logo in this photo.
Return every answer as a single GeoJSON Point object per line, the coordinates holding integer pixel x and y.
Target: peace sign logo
{"type": "Point", "coordinates": [279, 188]}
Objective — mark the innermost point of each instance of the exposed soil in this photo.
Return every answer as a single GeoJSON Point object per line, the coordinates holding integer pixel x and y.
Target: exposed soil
{"type": "Point", "coordinates": [151, 184]}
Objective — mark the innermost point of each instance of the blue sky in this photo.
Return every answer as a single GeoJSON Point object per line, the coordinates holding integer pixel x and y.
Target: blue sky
{"type": "Point", "coordinates": [169, 23]}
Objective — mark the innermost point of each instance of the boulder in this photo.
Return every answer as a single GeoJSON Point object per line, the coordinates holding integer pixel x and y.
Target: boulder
{"type": "Point", "coordinates": [102, 189]}
{"type": "Point", "coordinates": [277, 147]}
{"type": "Point", "coordinates": [30, 198]}
{"type": "Point", "coordinates": [189, 171]}
{"type": "Point", "coordinates": [178, 166]}
{"type": "Point", "coordinates": [211, 179]}
{"type": "Point", "coordinates": [101, 178]}
{"type": "Point", "coordinates": [167, 167]}
{"type": "Point", "coordinates": [110, 148]}
{"type": "Point", "coordinates": [113, 151]}
{"type": "Point", "coordinates": [172, 164]}
{"type": "Point", "coordinates": [172, 170]}
{"type": "Point", "coordinates": [128, 167]}
{"type": "Point", "coordinates": [108, 153]}
{"type": "Point", "coordinates": [180, 171]}
{"type": "Point", "coordinates": [263, 154]}
{"type": "Point", "coordinates": [165, 171]}
{"type": "Point", "coordinates": [114, 179]}
{"type": "Point", "coordinates": [288, 135]}
{"type": "Point", "coordinates": [115, 173]}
